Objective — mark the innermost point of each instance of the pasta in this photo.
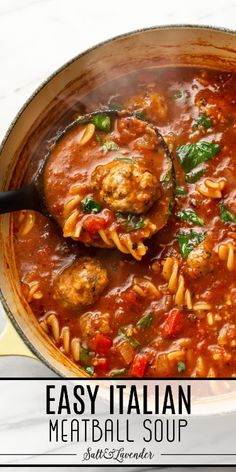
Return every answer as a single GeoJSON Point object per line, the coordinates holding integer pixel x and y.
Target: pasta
{"type": "Point", "coordinates": [176, 283]}
{"type": "Point", "coordinates": [70, 346]}
{"type": "Point", "coordinates": [27, 221]}
{"type": "Point", "coordinates": [226, 252]}
{"type": "Point", "coordinates": [210, 188]}
{"type": "Point", "coordinates": [145, 288]}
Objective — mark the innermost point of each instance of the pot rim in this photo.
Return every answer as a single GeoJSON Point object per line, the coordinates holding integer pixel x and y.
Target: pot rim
{"type": "Point", "coordinates": [177, 26]}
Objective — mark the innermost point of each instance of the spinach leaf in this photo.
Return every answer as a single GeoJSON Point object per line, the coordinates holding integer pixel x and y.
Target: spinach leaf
{"type": "Point", "coordinates": [179, 190]}
{"type": "Point", "coordinates": [88, 205]}
{"type": "Point", "coordinates": [102, 122]}
{"type": "Point", "coordinates": [84, 355]}
{"type": "Point", "coordinates": [194, 176]}
{"type": "Point", "coordinates": [110, 146]}
{"type": "Point", "coordinates": [133, 342]}
{"type": "Point", "coordinates": [188, 241]}
{"type": "Point", "coordinates": [226, 215]}
{"type": "Point", "coordinates": [203, 120]}
{"type": "Point", "coordinates": [132, 222]}
{"type": "Point", "coordinates": [181, 367]}
{"type": "Point", "coordinates": [145, 321]}
{"type": "Point", "coordinates": [141, 115]}
{"type": "Point", "coordinates": [191, 155]}
{"type": "Point", "coordinates": [191, 217]}
{"type": "Point", "coordinates": [116, 372]}
{"type": "Point", "coordinates": [89, 369]}
{"type": "Point", "coordinates": [124, 159]}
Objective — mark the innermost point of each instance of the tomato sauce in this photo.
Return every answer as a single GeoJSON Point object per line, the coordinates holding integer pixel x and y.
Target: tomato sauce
{"type": "Point", "coordinates": [172, 313]}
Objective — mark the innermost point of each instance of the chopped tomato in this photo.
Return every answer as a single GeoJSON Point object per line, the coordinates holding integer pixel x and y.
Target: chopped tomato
{"type": "Point", "coordinates": [173, 323]}
{"type": "Point", "coordinates": [100, 365]}
{"type": "Point", "coordinates": [93, 223]}
{"type": "Point", "coordinates": [100, 344]}
{"type": "Point", "coordinates": [130, 298]}
{"type": "Point", "coordinates": [139, 365]}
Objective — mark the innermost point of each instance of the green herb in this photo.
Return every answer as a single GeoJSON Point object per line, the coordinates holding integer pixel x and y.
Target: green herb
{"type": "Point", "coordinates": [84, 355]}
{"type": "Point", "coordinates": [179, 190]}
{"type": "Point", "coordinates": [181, 367]}
{"type": "Point", "coordinates": [132, 222]}
{"type": "Point", "coordinates": [102, 122]}
{"type": "Point", "coordinates": [115, 106]}
{"type": "Point", "coordinates": [191, 155]}
{"type": "Point", "coordinates": [116, 372]}
{"type": "Point", "coordinates": [191, 217]}
{"type": "Point", "coordinates": [179, 94]}
{"type": "Point", "coordinates": [194, 176]}
{"type": "Point", "coordinates": [124, 159]}
{"type": "Point", "coordinates": [88, 205]}
{"type": "Point", "coordinates": [145, 322]}
{"type": "Point", "coordinates": [141, 115]}
{"type": "Point", "coordinates": [226, 215]}
{"type": "Point", "coordinates": [110, 146]}
{"type": "Point", "coordinates": [133, 342]}
{"type": "Point", "coordinates": [89, 369]}
{"type": "Point", "coordinates": [203, 120]}
{"type": "Point", "coordinates": [166, 177]}
{"type": "Point", "coordinates": [188, 241]}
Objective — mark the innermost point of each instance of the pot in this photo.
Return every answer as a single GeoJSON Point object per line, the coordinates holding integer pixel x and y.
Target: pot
{"type": "Point", "coordinates": [159, 46]}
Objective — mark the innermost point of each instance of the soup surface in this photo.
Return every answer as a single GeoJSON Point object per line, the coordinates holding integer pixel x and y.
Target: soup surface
{"type": "Point", "coordinates": [170, 312]}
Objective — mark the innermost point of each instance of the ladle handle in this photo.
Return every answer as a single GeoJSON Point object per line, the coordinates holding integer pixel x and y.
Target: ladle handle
{"type": "Point", "coordinates": [25, 198]}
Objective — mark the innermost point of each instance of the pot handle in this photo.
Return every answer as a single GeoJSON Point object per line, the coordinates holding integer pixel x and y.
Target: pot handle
{"type": "Point", "coordinates": [11, 343]}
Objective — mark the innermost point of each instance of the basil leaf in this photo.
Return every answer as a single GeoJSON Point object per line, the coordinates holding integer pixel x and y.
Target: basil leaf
{"type": "Point", "coordinates": [226, 215]}
{"type": "Point", "coordinates": [181, 367]}
{"type": "Point", "coordinates": [124, 159]}
{"type": "Point", "coordinates": [194, 176]}
{"type": "Point", "coordinates": [145, 322]}
{"type": "Point", "coordinates": [179, 190]}
{"type": "Point", "coordinates": [203, 120]}
{"type": "Point", "coordinates": [133, 342]}
{"type": "Point", "coordinates": [116, 372]}
{"type": "Point", "coordinates": [84, 355]}
{"type": "Point", "coordinates": [102, 122]}
{"type": "Point", "coordinates": [88, 205]}
{"type": "Point", "coordinates": [89, 369]}
{"type": "Point", "coordinates": [191, 155]}
{"type": "Point", "coordinates": [110, 146]}
{"type": "Point", "coordinates": [191, 217]}
{"type": "Point", "coordinates": [188, 241]}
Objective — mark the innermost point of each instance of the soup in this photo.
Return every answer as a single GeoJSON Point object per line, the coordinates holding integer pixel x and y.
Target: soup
{"type": "Point", "coordinates": [165, 308]}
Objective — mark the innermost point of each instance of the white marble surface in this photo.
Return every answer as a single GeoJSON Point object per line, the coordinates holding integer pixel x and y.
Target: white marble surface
{"type": "Point", "coordinates": [37, 36]}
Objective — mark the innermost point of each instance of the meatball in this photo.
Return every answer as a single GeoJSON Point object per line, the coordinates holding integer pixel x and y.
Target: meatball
{"type": "Point", "coordinates": [125, 187]}
{"type": "Point", "coordinates": [91, 323]}
{"type": "Point", "coordinates": [199, 261]}
{"type": "Point", "coordinates": [80, 284]}
{"type": "Point", "coordinates": [151, 103]}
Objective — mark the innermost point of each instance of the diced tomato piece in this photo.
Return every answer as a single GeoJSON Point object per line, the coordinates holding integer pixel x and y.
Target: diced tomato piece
{"type": "Point", "coordinates": [173, 323]}
{"type": "Point", "coordinates": [100, 344]}
{"type": "Point", "coordinates": [100, 365]}
{"type": "Point", "coordinates": [139, 365]}
{"type": "Point", "coordinates": [93, 223]}
{"type": "Point", "coordinates": [130, 298]}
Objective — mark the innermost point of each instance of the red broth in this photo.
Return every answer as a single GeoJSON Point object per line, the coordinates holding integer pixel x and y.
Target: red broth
{"type": "Point", "coordinates": [172, 313]}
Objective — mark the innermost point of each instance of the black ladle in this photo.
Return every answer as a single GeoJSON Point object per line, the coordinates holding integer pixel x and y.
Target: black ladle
{"type": "Point", "coordinates": [31, 197]}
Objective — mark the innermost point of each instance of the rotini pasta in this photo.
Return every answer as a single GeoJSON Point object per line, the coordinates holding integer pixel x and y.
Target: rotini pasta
{"type": "Point", "coordinates": [210, 188]}
{"type": "Point", "coordinates": [226, 252]}
{"type": "Point", "coordinates": [70, 346]}
{"type": "Point", "coordinates": [176, 283]}
{"type": "Point", "coordinates": [27, 221]}
{"type": "Point", "coordinates": [145, 288]}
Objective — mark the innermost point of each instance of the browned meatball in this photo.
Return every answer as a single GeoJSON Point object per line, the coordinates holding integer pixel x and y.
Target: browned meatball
{"type": "Point", "coordinates": [80, 284]}
{"type": "Point", "coordinates": [125, 187]}
{"type": "Point", "coordinates": [199, 261]}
